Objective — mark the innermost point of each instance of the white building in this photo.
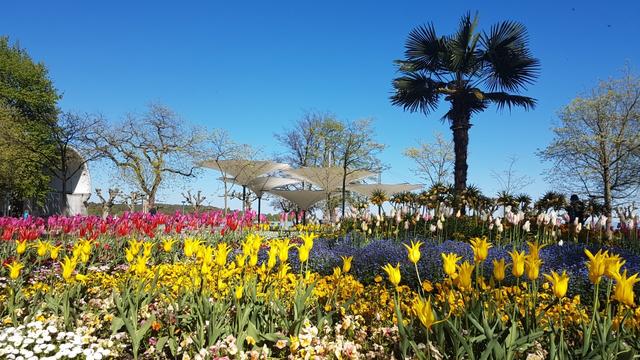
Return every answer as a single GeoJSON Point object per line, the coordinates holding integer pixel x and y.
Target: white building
{"type": "Point", "coordinates": [78, 187]}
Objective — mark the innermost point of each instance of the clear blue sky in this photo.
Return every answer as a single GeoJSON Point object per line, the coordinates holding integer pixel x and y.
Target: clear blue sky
{"type": "Point", "coordinates": [253, 68]}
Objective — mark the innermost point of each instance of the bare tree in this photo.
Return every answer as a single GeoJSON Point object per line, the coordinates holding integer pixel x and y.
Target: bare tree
{"type": "Point", "coordinates": [312, 141]}
{"type": "Point", "coordinates": [434, 161]}
{"type": "Point", "coordinates": [150, 148]}
{"type": "Point", "coordinates": [109, 202]}
{"type": "Point", "coordinates": [595, 150]}
{"type": "Point", "coordinates": [509, 180]}
{"type": "Point", "coordinates": [219, 146]}
{"type": "Point", "coordinates": [132, 199]}
{"type": "Point", "coordinates": [194, 200]}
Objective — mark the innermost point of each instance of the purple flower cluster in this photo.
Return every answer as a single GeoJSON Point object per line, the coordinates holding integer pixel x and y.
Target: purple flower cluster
{"type": "Point", "coordinates": [369, 259]}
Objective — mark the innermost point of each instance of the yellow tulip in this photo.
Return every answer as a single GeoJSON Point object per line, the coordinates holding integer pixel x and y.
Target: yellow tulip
{"type": "Point", "coordinates": [480, 247]}
{"type": "Point", "coordinates": [140, 266]}
{"type": "Point", "coordinates": [253, 259]}
{"type": "Point", "coordinates": [240, 260]}
{"type": "Point", "coordinates": [308, 239]}
{"type": "Point", "coordinates": [498, 269]}
{"type": "Point", "coordinates": [283, 250]}
{"type": "Point", "coordinates": [14, 269]}
{"type": "Point", "coordinates": [272, 256]}
{"type": "Point", "coordinates": [303, 253]}
{"type": "Point", "coordinates": [623, 291]}
{"type": "Point", "coordinates": [560, 283]}
{"type": "Point", "coordinates": [449, 263]}
{"type": "Point", "coordinates": [346, 263]}
{"type": "Point", "coordinates": [205, 268]}
{"type": "Point", "coordinates": [222, 252]}
{"type": "Point", "coordinates": [238, 292]}
{"type": "Point", "coordinates": [284, 270]}
{"type": "Point", "coordinates": [337, 272]}
{"type": "Point", "coordinates": [54, 251]}
{"type": "Point", "coordinates": [68, 266]}
{"type": "Point", "coordinates": [21, 246]}
{"type": "Point", "coordinates": [393, 273]}
{"type": "Point", "coordinates": [597, 265]}
{"type": "Point", "coordinates": [129, 255]}
{"type": "Point", "coordinates": [414, 251]}
{"type": "Point", "coordinates": [167, 244]}
{"type": "Point", "coordinates": [518, 258]}
{"type": "Point", "coordinates": [533, 267]}
{"type": "Point", "coordinates": [147, 248]}
{"type": "Point", "coordinates": [613, 265]}
{"type": "Point", "coordinates": [82, 278]}
{"type": "Point", "coordinates": [134, 246]}
{"type": "Point", "coordinates": [42, 248]}
{"type": "Point", "coordinates": [465, 271]}
{"type": "Point", "coordinates": [191, 246]}
{"type": "Point", "coordinates": [424, 312]}
{"type": "Point", "coordinates": [534, 249]}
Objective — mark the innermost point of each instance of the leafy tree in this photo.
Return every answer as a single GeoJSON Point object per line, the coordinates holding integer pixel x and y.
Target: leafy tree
{"type": "Point", "coordinates": [595, 150]}
{"type": "Point", "coordinates": [25, 85]}
{"type": "Point", "coordinates": [21, 176]}
{"type": "Point", "coordinates": [468, 69]}
{"type": "Point", "coordinates": [28, 111]}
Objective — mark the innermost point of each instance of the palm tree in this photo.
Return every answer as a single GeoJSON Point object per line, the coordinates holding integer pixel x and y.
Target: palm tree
{"type": "Point", "coordinates": [378, 197]}
{"type": "Point", "coordinates": [470, 70]}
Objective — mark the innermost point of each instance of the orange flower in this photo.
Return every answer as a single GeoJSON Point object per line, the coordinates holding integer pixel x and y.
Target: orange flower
{"type": "Point", "coordinates": [155, 325]}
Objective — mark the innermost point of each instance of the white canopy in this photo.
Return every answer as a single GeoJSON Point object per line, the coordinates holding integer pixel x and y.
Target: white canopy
{"type": "Point", "coordinates": [303, 198]}
{"type": "Point", "coordinates": [262, 184]}
{"type": "Point", "coordinates": [389, 189]}
{"type": "Point", "coordinates": [328, 179]}
{"type": "Point", "coordinates": [244, 171]}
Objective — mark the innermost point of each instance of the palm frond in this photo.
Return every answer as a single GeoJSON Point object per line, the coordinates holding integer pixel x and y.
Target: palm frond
{"type": "Point", "coordinates": [462, 46]}
{"type": "Point", "coordinates": [416, 92]}
{"type": "Point", "coordinates": [473, 100]}
{"type": "Point", "coordinates": [502, 100]}
{"type": "Point", "coordinates": [509, 63]}
{"type": "Point", "coordinates": [425, 50]}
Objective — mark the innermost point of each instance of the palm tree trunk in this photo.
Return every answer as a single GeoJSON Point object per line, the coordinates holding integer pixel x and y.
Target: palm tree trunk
{"type": "Point", "coordinates": [460, 128]}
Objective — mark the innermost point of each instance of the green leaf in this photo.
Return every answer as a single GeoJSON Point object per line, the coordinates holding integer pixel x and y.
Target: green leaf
{"type": "Point", "coordinates": [162, 341]}
{"type": "Point", "coordinates": [116, 324]}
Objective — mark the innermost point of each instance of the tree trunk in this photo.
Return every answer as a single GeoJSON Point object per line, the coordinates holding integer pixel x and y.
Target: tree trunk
{"type": "Point", "coordinates": [606, 182]}
{"type": "Point", "coordinates": [344, 190]}
{"type": "Point", "coordinates": [63, 198]}
{"type": "Point", "coordinates": [106, 209]}
{"type": "Point", "coordinates": [460, 128]}
{"type": "Point", "coordinates": [150, 203]}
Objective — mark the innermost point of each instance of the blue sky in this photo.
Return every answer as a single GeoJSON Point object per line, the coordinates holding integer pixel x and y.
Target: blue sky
{"type": "Point", "coordinates": [255, 67]}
